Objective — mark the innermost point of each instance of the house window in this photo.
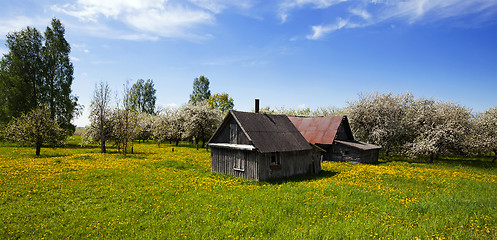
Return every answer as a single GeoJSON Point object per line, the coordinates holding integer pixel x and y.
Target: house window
{"type": "Point", "coordinates": [233, 133]}
{"type": "Point", "coordinates": [346, 152]}
{"type": "Point", "coordinates": [275, 161]}
{"type": "Point", "coordinates": [239, 161]}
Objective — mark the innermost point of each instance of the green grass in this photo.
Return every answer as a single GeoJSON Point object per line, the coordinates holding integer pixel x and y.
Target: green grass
{"type": "Point", "coordinates": [76, 192]}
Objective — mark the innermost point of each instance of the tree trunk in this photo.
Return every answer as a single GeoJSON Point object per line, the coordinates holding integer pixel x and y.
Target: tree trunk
{"type": "Point", "coordinates": [177, 143]}
{"type": "Point", "coordinates": [431, 158]}
{"type": "Point", "coordinates": [495, 157]}
{"type": "Point", "coordinates": [38, 148]}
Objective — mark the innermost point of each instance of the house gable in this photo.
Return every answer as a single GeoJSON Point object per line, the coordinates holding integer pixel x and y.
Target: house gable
{"type": "Point", "coordinates": [230, 132]}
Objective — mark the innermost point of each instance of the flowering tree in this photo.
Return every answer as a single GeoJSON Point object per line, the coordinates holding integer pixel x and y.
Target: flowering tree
{"type": "Point", "coordinates": [201, 120]}
{"type": "Point", "coordinates": [35, 128]}
{"type": "Point", "coordinates": [381, 119]}
{"type": "Point", "coordinates": [485, 131]}
{"type": "Point", "coordinates": [439, 128]}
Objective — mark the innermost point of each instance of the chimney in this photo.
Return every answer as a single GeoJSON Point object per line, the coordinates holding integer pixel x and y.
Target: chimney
{"type": "Point", "coordinates": [256, 105]}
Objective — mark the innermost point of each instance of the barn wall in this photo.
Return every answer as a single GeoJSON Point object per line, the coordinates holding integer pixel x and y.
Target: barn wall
{"type": "Point", "coordinates": [292, 163]}
{"type": "Point", "coordinates": [223, 160]}
{"type": "Point", "coordinates": [344, 153]}
{"type": "Point", "coordinates": [370, 156]}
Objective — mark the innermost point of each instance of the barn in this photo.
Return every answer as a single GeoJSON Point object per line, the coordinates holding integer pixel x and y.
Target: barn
{"type": "Point", "coordinates": [261, 147]}
{"type": "Point", "coordinates": [334, 135]}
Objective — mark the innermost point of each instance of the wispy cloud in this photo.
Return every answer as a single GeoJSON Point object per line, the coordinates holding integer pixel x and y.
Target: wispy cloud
{"type": "Point", "coordinates": [320, 31]}
{"type": "Point", "coordinates": [150, 19]}
{"type": "Point", "coordinates": [287, 6]}
{"type": "Point", "coordinates": [18, 23]}
{"type": "Point", "coordinates": [2, 52]}
{"type": "Point", "coordinates": [407, 12]}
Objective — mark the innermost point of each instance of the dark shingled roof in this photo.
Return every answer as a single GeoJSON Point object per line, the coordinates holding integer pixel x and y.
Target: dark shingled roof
{"type": "Point", "coordinates": [320, 130]}
{"type": "Point", "coordinates": [270, 133]}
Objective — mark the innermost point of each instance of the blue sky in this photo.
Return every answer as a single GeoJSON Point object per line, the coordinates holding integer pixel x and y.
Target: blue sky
{"type": "Point", "coordinates": [292, 53]}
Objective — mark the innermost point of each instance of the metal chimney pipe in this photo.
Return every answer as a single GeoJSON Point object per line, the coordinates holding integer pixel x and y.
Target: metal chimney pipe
{"type": "Point", "coordinates": [256, 105]}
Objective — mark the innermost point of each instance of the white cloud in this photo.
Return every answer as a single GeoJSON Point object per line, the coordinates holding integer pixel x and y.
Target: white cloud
{"type": "Point", "coordinates": [301, 106]}
{"type": "Point", "coordinates": [18, 23]}
{"type": "Point", "coordinates": [320, 31]}
{"type": "Point", "coordinates": [288, 5]}
{"type": "Point", "coordinates": [398, 12]}
{"type": "Point", "coordinates": [74, 59]}
{"type": "Point", "coordinates": [149, 19]}
{"type": "Point", "coordinates": [217, 6]}
{"type": "Point", "coordinates": [361, 13]}
{"type": "Point", "coordinates": [433, 10]}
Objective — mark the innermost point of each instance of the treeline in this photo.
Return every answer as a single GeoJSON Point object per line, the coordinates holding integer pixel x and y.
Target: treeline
{"type": "Point", "coordinates": [415, 127]}
{"type": "Point", "coordinates": [127, 122]}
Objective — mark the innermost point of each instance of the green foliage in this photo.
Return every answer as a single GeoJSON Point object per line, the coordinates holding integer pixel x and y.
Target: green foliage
{"type": "Point", "coordinates": [35, 128]}
{"type": "Point", "coordinates": [201, 90]}
{"type": "Point", "coordinates": [143, 96]}
{"type": "Point", "coordinates": [160, 194]}
{"type": "Point", "coordinates": [21, 73]}
{"type": "Point", "coordinates": [58, 77]}
{"type": "Point", "coordinates": [35, 73]}
{"type": "Point", "coordinates": [221, 101]}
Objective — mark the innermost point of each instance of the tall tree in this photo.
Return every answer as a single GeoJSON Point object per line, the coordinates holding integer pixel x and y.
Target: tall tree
{"type": "Point", "coordinates": [221, 101]}
{"type": "Point", "coordinates": [201, 90]}
{"type": "Point", "coordinates": [35, 128]}
{"type": "Point", "coordinates": [58, 76]}
{"type": "Point", "coordinates": [21, 77]}
{"type": "Point", "coordinates": [100, 114]}
{"type": "Point", "coordinates": [34, 74]}
{"type": "Point", "coordinates": [143, 96]}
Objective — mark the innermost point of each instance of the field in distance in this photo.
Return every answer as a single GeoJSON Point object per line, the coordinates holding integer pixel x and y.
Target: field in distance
{"type": "Point", "coordinates": [76, 192]}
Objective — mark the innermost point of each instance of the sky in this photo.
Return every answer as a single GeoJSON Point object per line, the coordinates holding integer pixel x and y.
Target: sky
{"type": "Point", "coordinates": [288, 53]}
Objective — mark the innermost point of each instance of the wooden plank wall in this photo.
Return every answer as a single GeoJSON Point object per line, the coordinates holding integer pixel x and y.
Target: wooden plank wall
{"type": "Point", "coordinates": [292, 163]}
{"type": "Point", "coordinates": [222, 161]}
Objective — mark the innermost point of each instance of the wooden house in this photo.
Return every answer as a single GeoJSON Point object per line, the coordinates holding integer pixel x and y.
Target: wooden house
{"type": "Point", "coordinates": [334, 135]}
{"type": "Point", "coordinates": [261, 147]}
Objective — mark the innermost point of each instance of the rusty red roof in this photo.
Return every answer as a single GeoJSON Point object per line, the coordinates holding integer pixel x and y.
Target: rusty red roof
{"type": "Point", "coordinates": [320, 130]}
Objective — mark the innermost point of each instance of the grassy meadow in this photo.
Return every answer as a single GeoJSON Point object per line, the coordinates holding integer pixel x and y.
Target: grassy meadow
{"type": "Point", "coordinates": [155, 193]}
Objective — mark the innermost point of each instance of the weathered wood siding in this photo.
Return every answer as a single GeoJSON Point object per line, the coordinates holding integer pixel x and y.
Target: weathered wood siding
{"type": "Point", "coordinates": [292, 163]}
{"type": "Point", "coordinates": [223, 161]}
{"type": "Point", "coordinates": [370, 156]}
{"type": "Point", "coordinates": [343, 153]}
{"type": "Point", "coordinates": [226, 132]}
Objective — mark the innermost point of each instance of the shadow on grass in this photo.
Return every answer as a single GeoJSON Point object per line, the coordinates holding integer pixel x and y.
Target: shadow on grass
{"type": "Point", "coordinates": [302, 177]}
{"type": "Point", "coordinates": [477, 162]}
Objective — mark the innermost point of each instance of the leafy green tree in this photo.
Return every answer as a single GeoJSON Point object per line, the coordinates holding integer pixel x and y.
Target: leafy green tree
{"type": "Point", "coordinates": [201, 90]}
{"type": "Point", "coordinates": [35, 128]}
{"type": "Point", "coordinates": [34, 74]}
{"type": "Point", "coordinates": [143, 96]}
{"type": "Point", "coordinates": [58, 77]}
{"type": "Point", "coordinates": [221, 101]}
{"type": "Point", "coordinates": [21, 76]}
